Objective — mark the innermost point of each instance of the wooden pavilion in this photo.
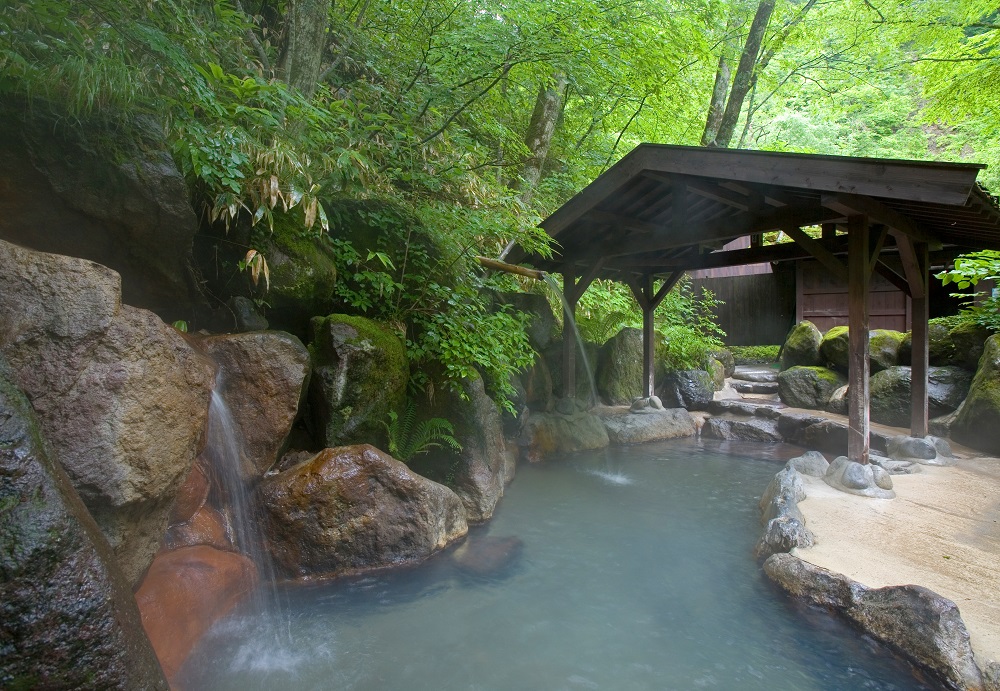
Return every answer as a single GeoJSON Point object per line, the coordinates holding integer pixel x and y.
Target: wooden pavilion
{"type": "Point", "coordinates": [663, 210]}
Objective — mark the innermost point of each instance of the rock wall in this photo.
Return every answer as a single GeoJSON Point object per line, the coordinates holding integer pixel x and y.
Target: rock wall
{"type": "Point", "coordinates": [67, 616]}
{"type": "Point", "coordinates": [121, 396]}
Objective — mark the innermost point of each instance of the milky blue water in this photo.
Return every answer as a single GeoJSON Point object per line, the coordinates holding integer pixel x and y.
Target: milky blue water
{"type": "Point", "coordinates": [635, 572]}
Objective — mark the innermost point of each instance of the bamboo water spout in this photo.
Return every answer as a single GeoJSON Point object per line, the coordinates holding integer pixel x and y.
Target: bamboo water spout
{"type": "Point", "coordinates": [511, 268]}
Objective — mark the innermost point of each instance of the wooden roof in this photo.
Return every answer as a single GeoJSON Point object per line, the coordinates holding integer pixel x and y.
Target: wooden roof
{"type": "Point", "coordinates": [664, 208]}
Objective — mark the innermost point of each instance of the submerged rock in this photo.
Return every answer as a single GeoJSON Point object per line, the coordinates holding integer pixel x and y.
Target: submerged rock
{"type": "Point", "coordinates": [264, 378]}
{"type": "Point", "coordinates": [918, 623]}
{"type": "Point", "coordinates": [67, 616]}
{"type": "Point", "coordinates": [487, 555]}
{"type": "Point", "coordinates": [354, 508]}
{"type": "Point", "coordinates": [185, 592]}
{"type": "Point", "coordinates": [120, 395]}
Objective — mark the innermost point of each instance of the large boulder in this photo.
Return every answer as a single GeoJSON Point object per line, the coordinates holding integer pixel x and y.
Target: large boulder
{"type": "Point", "coordinates": [536, 381]}
{"type": "Point", "coordinates": [924, 627]}
{"type": "Point", "coordinates": [303, 273]}
{"type": "Point", "coordinates": [185, 592]}
{"type": "Point", "coordinates": [883, 349]}
{"type": "Point", "coordinates": [262, 377]}
{"type": "Point", "coordinates": [354, 508]}
{"type": "Point", "coordinates": [834, 349]}
{"type": "Point", "coordinates": [691, 389]}
{"type": "Point", "coordinates": [131, 212]}
{"type": "Point", "coordinates": [121, 396]}
{"type": "Point", "coordinates": [648, 424]}
{"type": "Point", "coordinates": [969, 340]}
{"type": "Point", "coordinates": [619, 368]}
{"type": "Point", "coordinates": [978, 419]}
{"type": "Point", "coordinates": [359, 376]}
{"type": "Point", "coordinates": [940, 347]}
{"type": "Point", "coordinates": [477, 472]}
{"type": "Point", "coordinates": [809, 387]}
{"type": "Point", "coordinates": [890, 396]}
{"type": "Point", "coordinates": [67, 616]}
{"type": "Point", "coordinates": [545, 434]}
{"type": "Point", "coordinates": [802, 346]}
{"type": "Point", "coordinates": [738, 429]}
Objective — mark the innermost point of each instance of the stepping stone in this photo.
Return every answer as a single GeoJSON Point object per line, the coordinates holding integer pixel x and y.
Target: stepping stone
{"type": "Point", "coordinates": [755, 375]}
{"type": "Point", "coordinates": [756, 387]}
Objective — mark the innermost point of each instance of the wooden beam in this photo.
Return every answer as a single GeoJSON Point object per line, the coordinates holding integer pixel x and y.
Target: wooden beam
{"type": "Point", "coordinates": [785, 251]}
{"type": "Point", "coordinates": [915, 276]}
{"type": "Point", "coordinates": [705, 188]}
{"type": "Point", "coordinates": [726, 229]}
{"type": "Point", "coordinates": [881, 233]}
{"type": "Point", "coordinates": [859, 275]}
{"type": "Point", "coordinates": [816, 249]}
{"type": "Point", "coordinates": [920, 352]}
{"type": "Point", "coordinates": [888, 273]}
{"type": "Point", "coordinates": [829, 231]}
{"type": "Point", "coordinates": [878, 212]}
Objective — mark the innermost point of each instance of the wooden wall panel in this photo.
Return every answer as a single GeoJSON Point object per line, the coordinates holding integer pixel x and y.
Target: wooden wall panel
{"type": "Point", "coordinates": [822, 299]}
{"type": "Point", "coordinates": [759, 309]}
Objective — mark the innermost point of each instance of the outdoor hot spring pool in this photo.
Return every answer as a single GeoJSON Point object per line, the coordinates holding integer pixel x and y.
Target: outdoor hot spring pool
{"type": "Point", "coordinates": [635, 572]}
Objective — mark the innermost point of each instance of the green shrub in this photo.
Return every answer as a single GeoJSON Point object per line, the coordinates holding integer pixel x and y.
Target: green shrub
{"type": "Point", "coordinates": [755, 355]}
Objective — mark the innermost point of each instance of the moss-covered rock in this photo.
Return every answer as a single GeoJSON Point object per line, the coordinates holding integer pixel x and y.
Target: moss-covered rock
{"type": "Point", "coordinates": [883, 349]}
{"type": "Point", "coordinates": [969, 340]}
{"type": "Point", "coordinates": [691, 389]}
{"type": "Point", "coordinates": [303, 273]}
{"type": "Point", "coordinates": [360, 373]}
{"type": "Point", "coordinates": [891, 399]}
{"type": "Point", "coordinates": [718, 372]}
{"type": "Point", "coordinates": [728, 360]}
{"type": "Point", "coordinates": [809, 387]}
{"type": "Point", "coordinates": [619, 368]}
{"type": "Point", "coordinates": [979, 418]}
{"type": "Point", "coordinates": [940, 348]}
{"type": "Point", "coordinates": [802, 346]}
{"type": "Point", "coordinates": [834, 349]}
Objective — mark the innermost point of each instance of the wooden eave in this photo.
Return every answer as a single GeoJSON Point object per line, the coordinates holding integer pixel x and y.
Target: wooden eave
{"type": "Point", "coordinates": [667, 208]}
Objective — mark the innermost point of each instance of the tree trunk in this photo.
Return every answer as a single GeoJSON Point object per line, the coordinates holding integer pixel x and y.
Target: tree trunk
{"type": "Point", "coordinates": [717, 106]}
{"type": "Point", "coordinates": [301, 60]}
{"type": "Point", "coordinates": [744, 73]}
{"type": "Point", "coordinates": [544, 119]}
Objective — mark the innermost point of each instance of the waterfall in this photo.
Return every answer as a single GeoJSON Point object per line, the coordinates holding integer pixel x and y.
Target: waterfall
{"type": "Point", "coordinates": [571, 321]}
{"type": "Point", "coordinates": [234, 483]}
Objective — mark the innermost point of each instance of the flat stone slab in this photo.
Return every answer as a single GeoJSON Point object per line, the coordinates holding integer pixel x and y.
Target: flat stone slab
{"type": "Point", "coordinates": [756, 387]}
{"type": "Point", "coordinates": [755, 374]}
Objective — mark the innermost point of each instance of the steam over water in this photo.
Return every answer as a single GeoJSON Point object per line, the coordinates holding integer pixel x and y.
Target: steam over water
{"type": "Point", "coordinates": [635, 572]}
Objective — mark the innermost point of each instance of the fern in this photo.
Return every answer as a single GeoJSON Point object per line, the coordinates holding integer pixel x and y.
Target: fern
{"type": "Point", "coordinates": [408, 438]}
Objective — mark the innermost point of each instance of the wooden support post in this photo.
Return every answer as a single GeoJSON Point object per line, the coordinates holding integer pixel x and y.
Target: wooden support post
{"type": "Point", "coordinates": [859, 276]}
{"type": "Point", "coordinates": [829, 231]}
{"type": "Point", "coordinates": [919, 362]}
{"type": "Point", "coordinates": [648, 301]}
{"type": "Point", "coordinates": [569, 334]}
{"type": "Point", "coordinates": [648, 338]}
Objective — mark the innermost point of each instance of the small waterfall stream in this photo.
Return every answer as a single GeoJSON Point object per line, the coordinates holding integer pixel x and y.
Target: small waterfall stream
{"type": "Point", "coordinates": [571, 321]}
{"type": "Point", "coordinates": [264, 610]}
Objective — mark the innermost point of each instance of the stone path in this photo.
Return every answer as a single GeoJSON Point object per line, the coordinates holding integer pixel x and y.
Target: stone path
{"type": "Point", "coordinates": [942, 531]}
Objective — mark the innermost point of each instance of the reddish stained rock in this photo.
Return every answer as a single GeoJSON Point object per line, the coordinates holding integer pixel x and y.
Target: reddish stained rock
{"type": "Point", "coordinates": [191, 496]}
{"type": "Point", "coordinates": [206, 527]}
{"type": "Point", "coordinates": [184, 593]}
